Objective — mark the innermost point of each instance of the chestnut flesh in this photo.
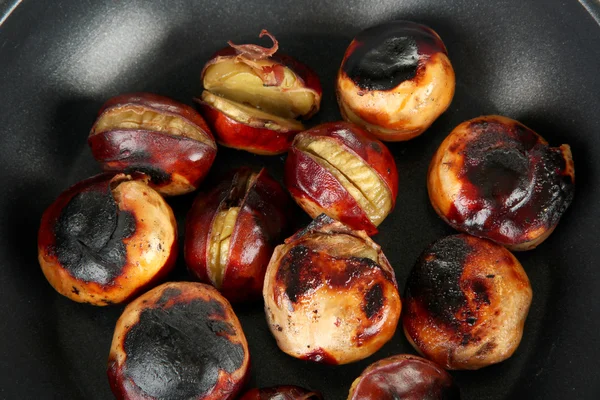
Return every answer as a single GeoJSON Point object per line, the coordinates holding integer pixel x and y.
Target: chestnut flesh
{"type": "Point", "coordinates": [145, 132]}
{"type": "Point", "coordinates": [495, 178]}
{"type": "Point", "coordinates": [340, 170]}
{"type": "Point", "coordinates": [106, 239]}
{"type": "Point", "coordinates": [282, 393]}
{"type": "Point", "coordinates": [232, 230]}
{"type": "Point", "coordinates": [466, 302]}
{"type": "Point", "coordinates": [330, 294]}
{"type": "Point", "coordinates": [179, 340]}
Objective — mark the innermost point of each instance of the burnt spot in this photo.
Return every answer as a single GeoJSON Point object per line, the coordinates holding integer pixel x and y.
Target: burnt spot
{"type": "Point", "coordinates": [157, 175]}
{"type": "Point", "coordinates": [480, 290]}
{"type": "Point", "coordinates": [178, 351]}
{"type": "Point", "coordinates": [320, 356]}
{"type": "Point", "coordinates": [167, 294]}
{"type": "Point", "coordinates": [374, 301]}
{"type": "Point", "coordinates": [89, 236]}
{"type": "Point", "coordinates": [75, 290]}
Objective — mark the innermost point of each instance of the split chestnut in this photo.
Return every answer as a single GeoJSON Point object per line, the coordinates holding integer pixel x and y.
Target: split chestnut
{"type": "Point", "coordinates": [281, 393]}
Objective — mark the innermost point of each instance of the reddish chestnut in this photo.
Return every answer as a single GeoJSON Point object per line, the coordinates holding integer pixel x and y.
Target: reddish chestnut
{"type": "Point", "coordinates": [282, 393]}
{"type": "Point", "coordinates": [395, 80]}
{"type": "Point", "coordinates": [160, 137]}
{"type": "Point", "coordinates": [330, 294]}
{"type": "Point", "coordinates": [231, 233]}
{"type": "Point", "coordinates": [466, 302]}
{"type": "Point", "coordinates": [405, 377]}
{"type": "Point", "coordinates": [495, 178]}
{"type": "Point", "coordinates": [106, 239]}
{"type": "Point", "coordinates": [340, 170]}
{"type": "Point", "coordinates": [180, 340]}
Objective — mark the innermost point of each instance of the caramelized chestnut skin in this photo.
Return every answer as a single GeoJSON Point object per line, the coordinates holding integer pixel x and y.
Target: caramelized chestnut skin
{"type": "Point", "coordinates": [341, 170]}
{"type": "Point", "coordinates": [405, 377]}
{"type": "Point", "coordinates": [160, 137]}
{"type": "Point", "coordinates": [107, 238]}
{"type": "Point", "coordinates": [495, 178]}
{"type": "Point", "coordinates": [466, 301]}
{"type": "Point", "coordinates": [281, 393]}
{"type": "Point", "coordinates": [330, 294]}
{"type": "Point", "coordinates": [259, 206]}
{"type": "Point", "coordinates": [395, 80]}
{"type": "Point", "coordinates": [179, 340]}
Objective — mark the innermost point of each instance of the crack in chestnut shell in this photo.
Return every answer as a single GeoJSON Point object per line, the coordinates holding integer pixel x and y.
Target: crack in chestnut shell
{"type": "Point", "coordinates": [281, 393]}
{"type": "Point", "coordinates": [180, 340]}
{"type": "Point", "coordinates": [405, 377]}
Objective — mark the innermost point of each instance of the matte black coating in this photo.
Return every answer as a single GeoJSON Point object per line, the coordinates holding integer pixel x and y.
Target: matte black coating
{"type": "Point", "coordinates": [535, 61]}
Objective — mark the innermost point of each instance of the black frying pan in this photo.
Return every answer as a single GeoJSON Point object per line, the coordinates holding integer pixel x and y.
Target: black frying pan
{"type": "Point", "coordinates": [536, 61]}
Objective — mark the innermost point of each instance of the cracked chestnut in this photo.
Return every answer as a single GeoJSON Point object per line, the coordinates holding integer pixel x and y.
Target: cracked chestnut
{"type": "Point", "coordinates": [282, 393]}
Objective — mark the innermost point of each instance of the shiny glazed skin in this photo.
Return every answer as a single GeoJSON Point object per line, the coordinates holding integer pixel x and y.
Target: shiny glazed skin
{"type": "Point", "coordinates": [179, 340]}
{"type": "Point", "coordinates": [281, 393]}
{"type": "Point", "coordinates": [176, 163]}
{"type": "Point", "coordinates": [107, 238]}
{"type": "Point", "coordinates": [495, 178]}
{"type": "Point", "coordinates": [466, 302]}
{"type": "Point", "coordinates": [317, 191]}
{"type": "Point", "coordinates": [395, 80]}
{"type": "Point", "coordinates": [330, 294]}
{"type": "Point", "coordinates": [405, 377]}
{"type": "Point", "coordinates": [259, 226]}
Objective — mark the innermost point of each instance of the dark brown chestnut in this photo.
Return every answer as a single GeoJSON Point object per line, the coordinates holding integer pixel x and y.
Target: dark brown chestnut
{"type": "Point", "coordinates": [231, 233]}
{"type": "Point", "coordinates": [466, 301]}
{"type": "Point", "coordinates": [405, 377]}
{"type": "Point", "coordinates": [106, 239]}
{"type": "Point", "coordinates": [495, 178]}
{"type": "Point", "coordinates": [180, 340]}
{"type": "Point", "coordinates": [330, 294]}
{"type": "Point", "coordinates": [395, 80]}
{"type": "Point", "coordinates": [282, 393]}
{"type": "Point", "coordinates": [145, 132]}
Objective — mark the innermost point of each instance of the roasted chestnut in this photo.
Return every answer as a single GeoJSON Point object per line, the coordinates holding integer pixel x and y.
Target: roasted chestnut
{"type": "Point", "coordinates": [330, 294]}
{"type": "Point", "coordinates": [340, 170]}
{"type": "Point", "coordinates": [106, 239]}
{"type": "Point", "coordinates": [231, 233]}
{"type": "Point", "coordinates": [282, 393]}
{"type": "Point", "coordinates": [253, 96]}
{"type": "Point", "coordinates": [466, 302]}
{"type": "Point", "coordinates": [405, 377]}
{"type": "Point", "coordinates": [495, 178]}
{"type": "Point", "coordinates": [180, 340]}
{"type": "Point", "coordinates": [395, 80]}
{"type": "Point", "coordinates": [160, 137]}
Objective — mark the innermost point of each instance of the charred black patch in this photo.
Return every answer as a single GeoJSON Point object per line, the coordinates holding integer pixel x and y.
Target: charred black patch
{"type": "Point", "coordinates": [480, 290]}
{"type": "Point", "coordinates": [168, 294]}
{"type": "Point", "coordinates": [373, 301]}
{"type": "Point", "coordinates": [320, 356]}
{"type": "Point", "coordinates": [156, 174]}
{"type": "Point", "coordinates": [89, 236]}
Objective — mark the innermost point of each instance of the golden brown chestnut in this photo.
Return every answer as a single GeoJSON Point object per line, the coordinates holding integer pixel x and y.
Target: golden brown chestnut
{"type": "Point", "coordinates": [180, 340]}
{"type": "Point", "coordinates": [106, 239]}
{"type": "Point", "coordinates": [330, 294]}
{"type": "Point", "coordinates": [282, 393]}
{"type": "Point", "coordinates": [340, 170]}
{"type": "Point", "coordinates": [466, 301]}
{"type": "Point", "coordinates": [395, 80]}
{"type": "Point", "coordinates": [232, 230]}
{"type": "Point", "coordinates": [495, 178]}
{"type": "Point", "coordinates": [145, 132]}
{"type": "Point", "coordinates": [405, 377]}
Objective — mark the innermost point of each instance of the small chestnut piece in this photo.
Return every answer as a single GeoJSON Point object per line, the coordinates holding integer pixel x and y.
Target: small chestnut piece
{"type": "Point", "coordinates": [253, 96]}
{"type": "Point", "coordinates": [495, 178]}
{"type": "Point", "coordinates": [145, 132]}
{"type": "Point", "coordinates": [106, 239]}
{"type": "Point", "coordinates": [340, 170]}
{"type": "Point", "coordinates": [405, 377]}
{"type": "Point", "coordinates": [395, 80]}
{"type": "Point", "coordinates": [232, 230]}
{"type": "Point", "coordinates": [466, 301]}
{"type": "Point", "coordinates": [330, 294]}
{"type": "Point", "coordinates": [281, 393]}
{"type": "Point", "coordinates": [180, 340]}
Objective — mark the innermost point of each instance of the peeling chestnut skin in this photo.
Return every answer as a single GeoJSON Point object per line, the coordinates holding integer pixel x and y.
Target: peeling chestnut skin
{"type": "Point", "coordinates": [106, 239]}
{"type": "Point", "coordinates": [341, 170]}
{"type": "Point", "coordinates": [330, 294]}
{"type": "Point", "coordinates": [466, 301]}
{"type": "Point", "coordinates": [232, 230]}
{"type": "Point", "coordinates": [404, 377]}
{"type": "Point", "coordinates": [145, 132]}
{"type": "Point", "coordinates": [180, 340]}
{"type": "Point", "coordinates": [495, 178]}
{"type": "Point", "coordinates": [281, 393]}
{"type": "Point", "coordinates": [395, 80]}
